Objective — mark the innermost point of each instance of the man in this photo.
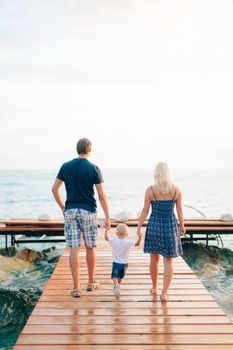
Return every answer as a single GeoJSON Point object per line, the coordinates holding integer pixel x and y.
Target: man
{"type": "Point", "coordinates": [80, 176]}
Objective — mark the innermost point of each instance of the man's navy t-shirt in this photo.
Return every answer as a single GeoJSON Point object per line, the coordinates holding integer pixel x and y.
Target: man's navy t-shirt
{"type": "Point", "coordinates": [80, 176]}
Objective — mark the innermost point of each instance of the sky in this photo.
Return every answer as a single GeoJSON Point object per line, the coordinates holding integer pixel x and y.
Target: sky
{"type": "Point", "coordinates": [146, 81]}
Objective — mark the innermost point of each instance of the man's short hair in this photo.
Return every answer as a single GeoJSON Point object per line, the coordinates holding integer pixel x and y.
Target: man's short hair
{"type": "Point", "coordinates": [83, 146]}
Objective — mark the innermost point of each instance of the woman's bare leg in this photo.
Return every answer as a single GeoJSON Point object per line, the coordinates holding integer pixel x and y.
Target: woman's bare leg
{"type": "Point", "coordinates": [154, 270]}
{"type": "Point", "coordinates": [167, 277]}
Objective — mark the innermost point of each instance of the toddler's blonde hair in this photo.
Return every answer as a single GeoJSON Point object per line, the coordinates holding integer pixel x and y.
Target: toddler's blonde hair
{"type": "Point", "coordinates": [122, 230]}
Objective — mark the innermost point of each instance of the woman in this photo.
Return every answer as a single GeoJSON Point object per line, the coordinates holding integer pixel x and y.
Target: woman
{"type": "Point", "coordinates": [162, 233]}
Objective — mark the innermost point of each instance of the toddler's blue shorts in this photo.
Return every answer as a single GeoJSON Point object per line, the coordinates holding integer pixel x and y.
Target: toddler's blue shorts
{"type": "Point", "coordinates": [118, 270]}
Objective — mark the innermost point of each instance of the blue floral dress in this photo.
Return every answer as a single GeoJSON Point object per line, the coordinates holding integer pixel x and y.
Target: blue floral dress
{"type": "Point", "coordinates": [162, 233]}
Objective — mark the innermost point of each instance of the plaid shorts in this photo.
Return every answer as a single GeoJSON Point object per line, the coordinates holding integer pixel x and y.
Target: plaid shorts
{"type": "Point", "coordinates": [79, 221]}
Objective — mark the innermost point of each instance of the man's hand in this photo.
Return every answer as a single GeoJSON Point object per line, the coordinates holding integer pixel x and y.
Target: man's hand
{"type": "Point", "coordinates": [106, 235]}
{"type": "Point", "coordinates": [107, 225]}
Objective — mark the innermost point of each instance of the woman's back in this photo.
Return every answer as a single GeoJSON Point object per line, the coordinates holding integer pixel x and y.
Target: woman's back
{"type": "Point", "coordinates": [162, 229]}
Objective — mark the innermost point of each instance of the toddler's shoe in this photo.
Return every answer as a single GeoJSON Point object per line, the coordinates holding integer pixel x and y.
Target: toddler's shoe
{"type": "Point", "coordinates": [117, 290]}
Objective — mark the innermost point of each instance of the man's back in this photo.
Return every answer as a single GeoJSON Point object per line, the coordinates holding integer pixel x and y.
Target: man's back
{"type": "Point", "coordinates": [80, 176]}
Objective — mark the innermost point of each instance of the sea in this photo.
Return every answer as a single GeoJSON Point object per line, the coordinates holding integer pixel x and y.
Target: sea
{"type": "Point", "coordinates": [27, 194]}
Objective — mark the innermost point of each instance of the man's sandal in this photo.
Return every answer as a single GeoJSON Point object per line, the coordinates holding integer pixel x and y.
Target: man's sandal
{"type": "Point", "coordinates": [75, 293]}
{"type": "Point", "coordinates": [92, 286]}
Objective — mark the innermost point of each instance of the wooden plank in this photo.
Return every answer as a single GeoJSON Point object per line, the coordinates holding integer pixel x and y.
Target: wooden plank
{"type": "Point", "coordinates": [123, 298]}
{"type": "Point", "coordinates": [163, 311]}
{"type": "Point", "coordinates": [130, 329]}
{"type": "Point", "coordinates": [92, 305]}
{"type": "Point", "coordinates": [124, 292]}
{"type": "Point", "coordinates": [103, 339]}
{"type": "Point", "coordinates": [126, 347]}
{"type": "Point", "coordinates": [126, 320]}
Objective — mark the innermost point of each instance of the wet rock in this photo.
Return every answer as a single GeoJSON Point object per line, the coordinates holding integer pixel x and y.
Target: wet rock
{"type": "Point", "coordinates": [44, 217]}
{"type": "Point", "coordinates": [3, 276]}
{"type": "Point", "coordinates": [226, 217]}
{"type": "Point", "coordinates": [11, 251]}
{"type": "Point", "coordinates": [30, 255]}
{"type": "Point", "coordinates": [9, 264]}
{"type": "Point", "coordinates": [209, 270]}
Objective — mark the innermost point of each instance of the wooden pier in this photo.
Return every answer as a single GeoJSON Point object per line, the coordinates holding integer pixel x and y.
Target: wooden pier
{"type": "Point", "coordinates": [37, 231]}
{"type": "Point", "coordinates": [191, 320]}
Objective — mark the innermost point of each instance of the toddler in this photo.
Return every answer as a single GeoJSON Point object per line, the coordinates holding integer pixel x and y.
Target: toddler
{"type": "Point", "coordinates": [120, 254]}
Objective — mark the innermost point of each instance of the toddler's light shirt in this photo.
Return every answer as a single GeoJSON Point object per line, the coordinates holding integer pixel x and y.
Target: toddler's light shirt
{"type": "Point", "coordinates": [120, 249]}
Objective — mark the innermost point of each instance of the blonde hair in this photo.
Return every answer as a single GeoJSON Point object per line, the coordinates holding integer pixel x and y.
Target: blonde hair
{"type": "Point", "coordinates": [122, 230]}
{"type": "Point", "coordinates": [163, 178]}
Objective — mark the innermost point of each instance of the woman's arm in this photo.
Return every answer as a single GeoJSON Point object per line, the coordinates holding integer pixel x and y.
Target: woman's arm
{"type": "Point", "coordinates": [144, 211]}
{"type": "Point", "coordinates": [179, 209]}
{"type": "Point", "coordinates": [137, 243]}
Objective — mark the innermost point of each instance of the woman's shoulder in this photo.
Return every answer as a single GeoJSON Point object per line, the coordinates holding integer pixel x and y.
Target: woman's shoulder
{"type": "Point", "coordinates": [177, 189]}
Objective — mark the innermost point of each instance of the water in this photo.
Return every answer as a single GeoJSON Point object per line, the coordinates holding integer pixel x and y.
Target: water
{"type": "Point", "coordinates": [27, 193]}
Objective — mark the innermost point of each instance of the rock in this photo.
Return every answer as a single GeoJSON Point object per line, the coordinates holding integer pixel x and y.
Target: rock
{"type": "Point", "coordinates": [123, 216]}
{"type": "Point", "coordinates": [226, 217]}
{"type": "Point", "coordinates": [29, 255]}
{"type": "Point", "coordinates": [11, 251]}
{"type": "Point", "coordinates": [209, 270]}
{"type": "Point", "coordinates": [3, 276]}
{"type": "Point", "coordinates": [8, 264]}
{"type": "Point", "coordinates": [44, 217]}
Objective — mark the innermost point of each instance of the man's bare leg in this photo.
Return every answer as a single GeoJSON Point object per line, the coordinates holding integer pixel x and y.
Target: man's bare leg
{"type": "Point", "coordinates": [74, 267]}
{"type": "Point", "coordinates": [91, 261]}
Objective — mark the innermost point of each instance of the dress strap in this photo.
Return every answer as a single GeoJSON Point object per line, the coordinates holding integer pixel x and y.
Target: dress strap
{"type": "Point", "coordinates": [174, 195]}
{"type": "Point", "coordinates": [153, 192]}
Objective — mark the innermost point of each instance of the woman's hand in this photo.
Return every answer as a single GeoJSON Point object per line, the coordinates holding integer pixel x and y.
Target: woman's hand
{"type": "Point", "coordinates": [139, 232]}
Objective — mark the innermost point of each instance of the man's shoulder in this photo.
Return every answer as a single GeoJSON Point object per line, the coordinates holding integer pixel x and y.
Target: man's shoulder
{"type": "Point", "coordinates": [69, 162]}
{"type": "Point", "coordinates": [96, 167]}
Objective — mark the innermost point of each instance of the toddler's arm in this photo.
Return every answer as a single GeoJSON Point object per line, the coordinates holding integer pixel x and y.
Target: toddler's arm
{"type": "Point", "coordinates": [137, 243]}
{"type": "Point", "coordinates": [106, 235]}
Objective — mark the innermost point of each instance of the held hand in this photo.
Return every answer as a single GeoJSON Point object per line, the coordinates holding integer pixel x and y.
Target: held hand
{"type": "Point", "coordinates": [182, 231]}
{"type": "Point", "coordinates": [63, 211]}
{"type": "Point", "coordinates": [107, 224]}
{"type": "Point", "coordinates": [139, 233]}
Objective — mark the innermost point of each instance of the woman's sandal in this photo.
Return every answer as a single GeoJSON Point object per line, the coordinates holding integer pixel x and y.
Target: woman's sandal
{"type": "Point", "coordinates": [153, 291]}
{"type": "Point", "coordinates": [164, 300]}
{"type": "Point", "coordinates": [75, 293]}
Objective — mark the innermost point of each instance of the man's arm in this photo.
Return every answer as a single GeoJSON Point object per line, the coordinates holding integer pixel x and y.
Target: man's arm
{"type": "Point", "coordinates": [57, 194]}
{"type": "Point", "coordinates": [104, 204]}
